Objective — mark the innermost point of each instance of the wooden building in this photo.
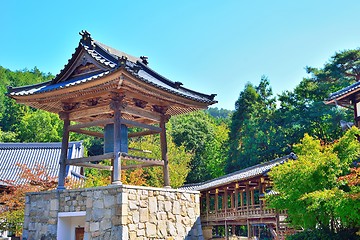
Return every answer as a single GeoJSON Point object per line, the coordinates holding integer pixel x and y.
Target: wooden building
{"type": "Point", "coordinates": [237, 200]}
{"type": "Point", "coordinates": [348, 97]}
{"type": "Point", "coordinates": [104, 87]}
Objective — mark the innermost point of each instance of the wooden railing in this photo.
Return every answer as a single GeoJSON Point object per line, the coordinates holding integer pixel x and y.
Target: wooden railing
{"type": "Point", "coordinates": [244, 212]}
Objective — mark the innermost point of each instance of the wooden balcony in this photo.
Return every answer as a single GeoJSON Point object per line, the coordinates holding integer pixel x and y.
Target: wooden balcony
{"type": "Point", "coordinates": [252, 213]}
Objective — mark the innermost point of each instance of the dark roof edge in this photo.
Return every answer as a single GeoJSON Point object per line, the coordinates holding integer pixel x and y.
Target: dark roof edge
{"type": "Point", "coordinates": [23, 88]}
{"type": "Point", "coordinates": [289, 156]}
{"type": "Point", "coordinates": [38, 145]}
{"type": "Point", "coordinates": [174, 84]}
{"type": "Point", "coordinates": [342, 91]}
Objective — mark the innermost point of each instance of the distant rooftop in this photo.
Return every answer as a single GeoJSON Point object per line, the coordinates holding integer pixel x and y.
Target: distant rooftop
{"type": "Point", "coordinates": [33, 154]}
{"type": "Point", "coordinates": [240, 175]}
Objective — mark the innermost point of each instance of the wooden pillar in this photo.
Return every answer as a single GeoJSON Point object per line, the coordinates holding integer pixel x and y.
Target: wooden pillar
{"type": "Point", "coordinates": [207, 201]}
{"type": "Point", "coordinates": [236, 198]}
{"type": "Point", "coordinates": [252, 197]}
{"type": "Point", "coordinates": [64, 150]}
{"type": "Point", "coordinates": [216, 200]}
{"type": "Point", "coordinates": [247, 195]}
{"type": "Point", "coordinates": [232, 200]}
{"type": "Point", "coordinates": [248, 228]}
{"type": "Point", "coordinates": [241, 199]}
{"type": "Point", "coordinates": [164, 151]}
{"type": "Point", "coordinates": [261, 192]}
{"type": "Point", "coordinates": [116, 174]}
{"type": "Point", "coordinates": [225, 199]}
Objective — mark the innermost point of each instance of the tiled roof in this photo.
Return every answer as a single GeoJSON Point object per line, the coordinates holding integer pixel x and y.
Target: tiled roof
{"type": "Point", "coordinates": [240, 175]}
{"type": "Point", "coordinates": [33, 154]}
{"type": "Point", "coordinates": [110, 59]}
{"type": "Point", "coordinates": [344, 91]}
{"type": "Point", "coordinates": [49, 87]}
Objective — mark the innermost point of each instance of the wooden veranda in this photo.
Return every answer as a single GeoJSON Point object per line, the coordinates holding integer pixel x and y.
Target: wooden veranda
{"type": "Point", "coordinates": [236, 202]}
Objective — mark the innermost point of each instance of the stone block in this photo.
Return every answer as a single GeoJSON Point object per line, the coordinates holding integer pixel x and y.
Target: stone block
{"type": "Point", "coordinates": [162, 228]}
{"type": "Point", "coordinates": [98, 203]}
{"type": "Point", "coordinates": [171, 229]}
{"type": "Point", "coordinates": [153, 207]}
{"type": "Point", "coordinates": [176, 208]}
{"type": "Point", "coordinates": [191, 213]}
{"type": "Point", "coordinates": [144, 215]}
{"type": "Point", "coordinates": [105, 224]}
{"type": "Point", "coordinates": [150, 230]}
{"type": "Point", "coordinates": [140, 232]}
{"type": "Point", "coordinates": [94, 226]}
{"type": "Point", "coordinates": [136, 217]}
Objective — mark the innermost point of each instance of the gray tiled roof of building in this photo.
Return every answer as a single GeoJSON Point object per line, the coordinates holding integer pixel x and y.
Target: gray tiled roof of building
{"type": "Point", "coordinates": [243, 174]}
{"type": "Point", "coordinates": [33, 154]}
{"type": "Point", "coordinates": [344, 91]}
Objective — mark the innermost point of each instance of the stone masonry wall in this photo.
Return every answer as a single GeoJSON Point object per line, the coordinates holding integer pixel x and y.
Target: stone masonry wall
{"type": "Point", "coordinates": [117, 212]}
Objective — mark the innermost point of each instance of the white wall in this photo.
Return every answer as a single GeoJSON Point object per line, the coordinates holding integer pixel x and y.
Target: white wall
{"type": "Point", "coordinates": [67, 222]}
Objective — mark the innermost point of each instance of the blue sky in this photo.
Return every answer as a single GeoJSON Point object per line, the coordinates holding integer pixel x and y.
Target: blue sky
{"type": "Point", "coordinates": [210, 46]}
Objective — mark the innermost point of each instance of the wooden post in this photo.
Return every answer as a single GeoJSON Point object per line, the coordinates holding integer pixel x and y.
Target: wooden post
{"type": "Point", "coordinates": [261, 192]}
{"type": "Point", "coordinates": [216, 200]}
{"type": "Point", "coordinates": [252, 197]}
{"type": "Point", "coordinates": [207, 202]}
{"type": "Point", "coordinates": [64, 150]}
{"type": "Point", "coordinates": [164, 151]}
{"type": "Point", "coordinates": [225, 199]}
{"type": "Point", "coordinates": [116, 174]}
{"type": "Point", "coordinates": [232, 200]}
{"type": "Point", "coordinates": [247, 197]}
{"type": "Point", "coordinates": [241, 198]}
{"type": "Point", "coordinates": [236, 197]}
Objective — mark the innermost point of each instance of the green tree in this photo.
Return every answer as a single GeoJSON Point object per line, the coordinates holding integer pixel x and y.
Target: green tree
{"type": "Point", "coordinates": [40, 126]}
{"type": "Point", "coordinates": [252, 130]}
{"type": "Point", "coordinates": [200, 134]}
{"type": "Point", "coordinates": [311, 189]}
{"type": "Point", "coordinates": [179, 160]}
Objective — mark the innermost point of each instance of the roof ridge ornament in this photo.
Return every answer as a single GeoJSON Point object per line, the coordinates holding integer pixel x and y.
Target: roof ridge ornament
{"type": "Point", "coordinates": [86, 39]}
{"type": "Point", "coordinates": [144, 60]}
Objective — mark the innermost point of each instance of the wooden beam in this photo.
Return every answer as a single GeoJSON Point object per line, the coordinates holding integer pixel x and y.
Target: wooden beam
{"type": "Point", "coordinates": [133, 166]}
{"type": "Point", "coordinates": [90, 159]}
{"type": "Point", "coordinates": [136, 111]}
{"type": "Point", "coordinates": [91, 124]}
{"type": "Point", "coordinates": [140, 134]}
{"type": "Point", "coordinates": [142, 159]}
{"type": "Point", "coordinates": [92, 165]}
{"type": "Point", "coordinates": [141, 125]}
{"type": "Point", "coordinates": [90, 111]}
{"type": "Point", "coordinates": [90, 133]}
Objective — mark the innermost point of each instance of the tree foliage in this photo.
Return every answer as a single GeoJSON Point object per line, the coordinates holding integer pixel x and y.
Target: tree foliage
{"type": "Point", "coordinates": [261, 131]}
{"type": "Point", "coordinates": [252, 133]}
{"type": "Point", "coordinates": [200, 134]}
{"type": "Point", "coordinates": [313, 190]}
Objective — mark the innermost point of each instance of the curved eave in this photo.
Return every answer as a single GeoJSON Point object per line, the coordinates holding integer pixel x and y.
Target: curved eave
{"type": "Point", "coordinates": [209, 98]}
{"type": "Point", "coordinates": [55, 89]}
{"type": "Point", "coordinates": [66, 87]}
